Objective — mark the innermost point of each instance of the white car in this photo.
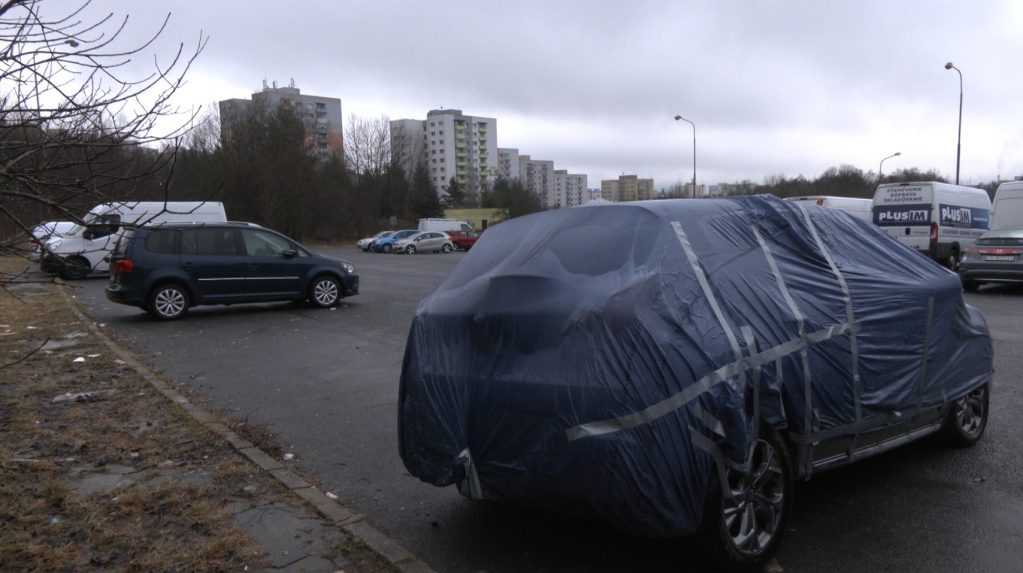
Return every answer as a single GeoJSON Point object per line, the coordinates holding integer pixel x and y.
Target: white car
{"type": "Point", "coordinates": [425, 242]}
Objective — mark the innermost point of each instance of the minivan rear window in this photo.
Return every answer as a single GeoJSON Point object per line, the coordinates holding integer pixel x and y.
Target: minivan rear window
{"type": "Point", "coordinates": [163, 242]}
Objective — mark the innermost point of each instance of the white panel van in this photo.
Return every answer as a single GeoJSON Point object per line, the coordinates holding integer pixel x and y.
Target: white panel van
{"type": "Point", "coordinates": [938, 219]}
{"type": "Point", "coordinates": [857, 207]}
{"type": "Point", "coordinates": [84, 249]}
{"type": "Point", "coordinates": [1007, 209]}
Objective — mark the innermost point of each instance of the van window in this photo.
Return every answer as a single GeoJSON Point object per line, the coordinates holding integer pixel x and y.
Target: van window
{"type": "Point", "coordinates": [263, 244]}
{"type": "Point", "coordinates": [220, 242]}
{"type": "Point", "coordinates": [163, 242]}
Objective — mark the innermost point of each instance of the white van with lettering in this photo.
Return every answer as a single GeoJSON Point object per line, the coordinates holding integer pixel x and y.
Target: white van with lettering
{"type": "Point", "coordinates": [937, 219]}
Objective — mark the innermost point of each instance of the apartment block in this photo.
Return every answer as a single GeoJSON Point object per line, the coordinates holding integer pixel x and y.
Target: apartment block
{"type": "Point", "coordinates": [321, 116]}
{"type": "Point", "coordinates": [576, 192]}
{"type": "Point", "coordinates": [452, 145]}
{"type": "Point", "coordinates": [540, 180]}
{"type": "Point", "coordinates": [508, 163]}
{"type": "Point", "coordinates": [408, 144]}
{"type": "Point", "coordinates": [627, 188]}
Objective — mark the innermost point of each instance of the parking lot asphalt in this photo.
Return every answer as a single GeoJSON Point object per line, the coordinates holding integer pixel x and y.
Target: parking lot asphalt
{"type": "Point", "coordinates": [326, 382]}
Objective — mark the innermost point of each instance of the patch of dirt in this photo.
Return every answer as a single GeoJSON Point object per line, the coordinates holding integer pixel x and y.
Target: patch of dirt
{"type": "Point", "coordinates": [160, 489]}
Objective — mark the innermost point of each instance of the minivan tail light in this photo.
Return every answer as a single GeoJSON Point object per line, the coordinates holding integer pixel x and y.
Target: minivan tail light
{"type": "Point", "coordinates": [124, 265]}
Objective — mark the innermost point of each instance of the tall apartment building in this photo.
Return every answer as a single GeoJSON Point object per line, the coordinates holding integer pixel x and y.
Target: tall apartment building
{"type": "Point", "coordinates": [452, 145]}
{"type": "Point", "coordinates": [321, 116]}
{"type": "Point", "coordinates": [508, 163]}
{"type": "Point", "coordinates": [576, 192]}
{"type": "Point", "coordinates": [540, 181]}
{"type": "Point", "coordinates": [627, 188]}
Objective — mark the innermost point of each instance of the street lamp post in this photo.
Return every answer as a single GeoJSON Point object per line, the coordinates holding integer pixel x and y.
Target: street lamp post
{"type": "Point", "coordinates": [680, 118]}
{"type": "Point", "coordinates": [880, 168]}
{"type": "Point", "coordinates": [959, 137]}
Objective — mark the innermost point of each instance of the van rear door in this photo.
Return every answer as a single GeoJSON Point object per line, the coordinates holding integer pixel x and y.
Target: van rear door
{"type": "Point", "coordinates": [905, 212]}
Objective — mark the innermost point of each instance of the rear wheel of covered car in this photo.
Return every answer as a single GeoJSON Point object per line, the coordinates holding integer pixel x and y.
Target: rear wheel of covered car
{"type": "Point", "coordinates": [168, 301]}
{"type": "Point", "coordinates": [967, 419]}
{"type": "Point", "coordinates": [75, 268]}
{"type": "Point", "coordinates": [745, 525]}
{"type": "Point", "coordinates": [325, 291]}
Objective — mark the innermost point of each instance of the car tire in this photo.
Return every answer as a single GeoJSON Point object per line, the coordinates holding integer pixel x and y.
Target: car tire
{"type": "Point", "coordinates": [447, 248]}
{"type": "Point", "coordinates": [952, 262]}
{"type": "Point", "coordinates": [168, 301]}
{"type": "Point", "coordinates": [410, 250]}
{"type": "Point", "coordinates": [967, 418]}
{"type": "Point", "coordinates": [75, 268]}
{"type": "Point", "coordinates": [762, 498]}
{"type": "Point", "coordinates": [387, 248]}
{"type": "Point", "coordinates": [325, 291]}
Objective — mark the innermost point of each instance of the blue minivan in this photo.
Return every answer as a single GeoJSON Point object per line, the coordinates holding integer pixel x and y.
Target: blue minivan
{"type": "Point", "coordinates": [167, 269]}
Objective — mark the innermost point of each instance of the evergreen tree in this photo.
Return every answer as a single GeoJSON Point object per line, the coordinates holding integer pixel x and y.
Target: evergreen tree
{"type": "Point", "coordinates": [424, 202]}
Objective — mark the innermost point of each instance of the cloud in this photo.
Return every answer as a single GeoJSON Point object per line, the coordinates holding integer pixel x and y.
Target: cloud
{"type": "Point", "coordinates": [774, 87]}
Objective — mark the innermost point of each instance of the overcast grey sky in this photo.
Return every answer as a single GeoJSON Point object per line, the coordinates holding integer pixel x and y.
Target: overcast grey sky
{"type": "Point", "coordinates": [774, 87]}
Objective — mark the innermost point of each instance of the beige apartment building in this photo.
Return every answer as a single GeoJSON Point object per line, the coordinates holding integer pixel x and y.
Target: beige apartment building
{"type": "Point", "coordinates": [627, 188]}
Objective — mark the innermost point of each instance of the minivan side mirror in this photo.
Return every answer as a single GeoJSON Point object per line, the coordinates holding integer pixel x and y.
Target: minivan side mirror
{"type": "Point", "coordinates": [290, 253]}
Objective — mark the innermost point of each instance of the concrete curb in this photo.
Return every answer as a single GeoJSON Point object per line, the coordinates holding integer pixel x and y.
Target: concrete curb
{"type": "Point", "coordinates": [353, 523]}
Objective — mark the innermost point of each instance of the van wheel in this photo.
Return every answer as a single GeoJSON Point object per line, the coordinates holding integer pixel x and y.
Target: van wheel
{"type": "Point", "coordinates": [168, 301]}
{"type": "Point", "coordinates": [75, 268]}
{"type": "Point", "coordinates": [325, 291]}
{"type": "Point", "coordinates": [952, 262]}
{"type": "Point", "coordinates": [745, 529]}
{"type": "Point", "coordinates": [970, 285]}
{"type": "Point", "coordinates": [967, 419]}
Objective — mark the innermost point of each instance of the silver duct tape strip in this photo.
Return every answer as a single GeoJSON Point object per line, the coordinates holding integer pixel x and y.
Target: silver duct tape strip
{"type": "Point", "coordinates": [703, 443]}
{"type": "Point", "coordinates": [850, 316]}
{"type": "Point", "coordinates": [701, 278]}
{"type": "Point", "coordinates": [691, 392]}
{"type": "Point", "coordinates": [800, 321]}
{"type": "Point", "coordinates": [471, 477]}
{"type": "Point", "coordinates": [708, 420]}
{"type": "Point", "coordinates": [922, 383]}
{"type": "Point", "coordinates": [751, 347]}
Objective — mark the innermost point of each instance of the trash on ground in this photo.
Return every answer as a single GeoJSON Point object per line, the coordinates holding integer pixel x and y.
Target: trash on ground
{"type": "Point", "coordinates": [79, 359]}
{"type": "Point", "coordinates": [92, 396]}
{"type": "Point", "coordinates": [332, 495]}
{"type": "Point", "coordinates": [289, 456]}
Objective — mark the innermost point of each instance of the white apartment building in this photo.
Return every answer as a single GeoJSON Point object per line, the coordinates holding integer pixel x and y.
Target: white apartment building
{"type": "Point", "coordinates": [407, 144]}
{"type": "Point", "coordinates": [576, 192]}
{"type": "Point", "coordinates": [453, 146]}
{"type": "Point", "coordinates": [540, 180]}
{"type": "Point", "coordinates": [508, 163]}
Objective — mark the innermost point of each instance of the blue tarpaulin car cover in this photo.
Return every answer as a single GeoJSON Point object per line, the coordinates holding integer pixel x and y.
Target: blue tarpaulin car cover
{"type": "Point", "coordinates": [610, 358]}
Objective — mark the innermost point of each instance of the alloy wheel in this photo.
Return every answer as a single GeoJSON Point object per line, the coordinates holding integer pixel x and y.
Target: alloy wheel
{"type": "Point", "coordinates": [753, 515]}
{"type": "Point", "coordinates": [169, 302]}
{"type": "Point", "coordinates": [970, 412]}
{"type": "Point", "coordinates": [411, 249]}
{"type": "Point", "coordinates": [325, 292]}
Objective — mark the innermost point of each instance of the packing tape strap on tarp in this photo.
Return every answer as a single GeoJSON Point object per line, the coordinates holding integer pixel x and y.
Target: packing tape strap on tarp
{"type": "Point", "coordinates": [691, 392]}
{"type": "Point", "coordinates": [850, 314]}
{"type": "Point", "coordinates": [701, 279]}
{"type": "Point", "coordinates": [472, 478]}
{"type": "Point", "coordinates": [922, 382]}
{"type": "Point", "coordinates": [801, 324]}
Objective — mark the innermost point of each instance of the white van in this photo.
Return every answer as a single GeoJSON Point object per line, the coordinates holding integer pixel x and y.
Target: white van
{"type": "Point", "coordinates": [83, 250]}
{"type": "Point", "coordinates": [444, 225]}
{"type": "Point", "coordinates": [1007, 209]}
{"type": "Point", "coordinates": [855, 206]}
{"type": "Point", "coordinates": [938, 219]}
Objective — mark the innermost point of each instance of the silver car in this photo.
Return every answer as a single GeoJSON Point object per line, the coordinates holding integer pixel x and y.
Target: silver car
{"type": "Point", "coordinates": [996, 258]}
{"type": "Point", "coordinates": [425, 242]}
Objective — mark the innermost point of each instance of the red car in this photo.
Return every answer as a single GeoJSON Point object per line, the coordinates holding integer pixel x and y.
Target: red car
{"type": "Point", "coordinates": [464, 240]}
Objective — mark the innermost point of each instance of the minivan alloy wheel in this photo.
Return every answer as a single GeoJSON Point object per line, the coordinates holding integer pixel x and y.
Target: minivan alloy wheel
{"type": "Point", "coordinates": [169, 302]}
{"type": "Point", "coordinates": [753, 514]}
{"type": "Point", "coordinates": [969, 412]}
{"type": "Point", "coordinates": [325, 292]}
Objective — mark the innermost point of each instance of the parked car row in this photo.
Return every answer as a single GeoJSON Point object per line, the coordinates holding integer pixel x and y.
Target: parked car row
{"type": "Point", "coordinates": [432, 236]}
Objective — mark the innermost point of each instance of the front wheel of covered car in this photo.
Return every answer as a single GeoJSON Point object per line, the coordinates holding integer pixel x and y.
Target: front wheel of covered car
{"type": "Point", "coordinates": [745, 525]}
{"type": "Point", "coordinates": [325, 291]}
{"type": "Point", "coordinates": [967, 419]}
{"type": "Point", "coordinates": [168, 302]}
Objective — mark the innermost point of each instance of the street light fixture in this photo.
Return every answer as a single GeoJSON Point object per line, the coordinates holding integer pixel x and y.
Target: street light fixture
{"type": "Point", "coordinates": [880, 168]}
{"type": "Point", "coordinates": [959, 137]}
{"type": "Point", "coordinates": [680, 118]}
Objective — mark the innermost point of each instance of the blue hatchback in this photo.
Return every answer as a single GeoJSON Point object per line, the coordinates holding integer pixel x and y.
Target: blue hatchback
{"type": "Point", "coordinates": [168, 269]}
{"type": "Point", "coordinates": [385, 244]}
